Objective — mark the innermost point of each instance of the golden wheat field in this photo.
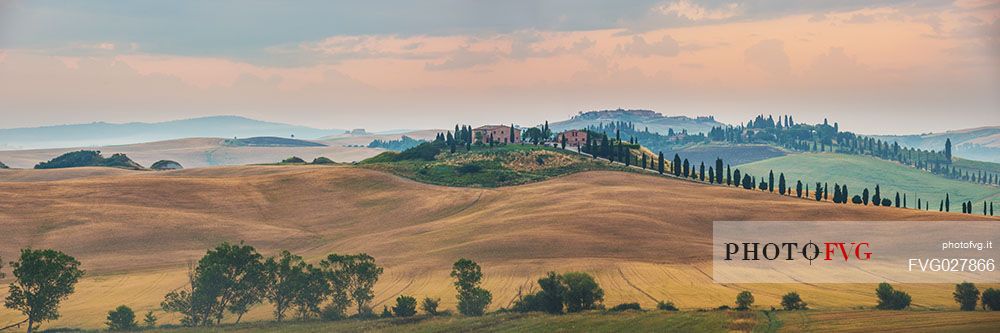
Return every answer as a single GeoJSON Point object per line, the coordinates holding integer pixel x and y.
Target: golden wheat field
{"type": "Point", "coordinates": [645, 238]}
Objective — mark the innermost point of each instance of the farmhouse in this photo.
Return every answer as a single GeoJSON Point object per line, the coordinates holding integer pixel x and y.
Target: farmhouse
{"type": "Point", "coordinates": [574, 138]}
{"type": "Point", "coordinates": [496, 133]}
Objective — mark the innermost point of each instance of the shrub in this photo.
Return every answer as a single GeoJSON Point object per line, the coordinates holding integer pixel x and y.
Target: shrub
{"type": "Point", "coordinates": [425, 151]}
{"type": "Point", "coordinates": [582, 292]}
{"type": "Point", "coordinates": [891, 299]}
{"type": "Point", "coordinates": [666, 306]}
{"type": "Point", "coordinates": [967, 295]}
{"type": "Point", "coordinates": [122, 319]}
{"type": "Point", "coordinates": [385, 312]}
{"type": "Point", "coordinates": [991, 299]}
{"type": "Point", "coordinates": [322, 160]}
{"type": "Point", "coordinates": [886, 202]}
{"type": "Point", "coordinates": [149, 320]}
{"type": "Point", "coordinates": [469, 168]}
{"type": "Point", "coordinates": [529, 303]}
{"type": "Point", "coordinates": [430, 305]}
{"type": "Point", "coordinates": [744, 300]}
{"type": "Point", "coordinates": [626, 307]}
{"type": "Point", "coordinates": [723, 307]}
{"type": "Point", "coordinates": [406, 306]}
{"type": "Point", "coordinates": [293, 160]}
{"type": "Point", "coordinates": [85, 158]}
{"type": "Point", "coordinates": [857, 200]}
{"type": "Point", "coordinates": [792, 301]}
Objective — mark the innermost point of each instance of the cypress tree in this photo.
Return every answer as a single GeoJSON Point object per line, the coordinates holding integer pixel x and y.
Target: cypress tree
{"type": "Point", "coordinates": [512, 129]}
{"type": "Point", "coordinates": [770, 180]}
{"type": "Point", "coordinates": [904, 200]}
{"type": "Point", "coordinates": [836, 193]}
{"type": "Point", "coordinates": [819, 191]}
{"type": "Point", "coordinates": [711, 175]}
{"type": "Point", "coordinates": [864, 196]}
{"type": "Point", "coordinates": [660, 163]}
{"type": "Point", "coordinates": [844, 193]}
{"type": "Point", "coordinates": [798, 188]}
{"type": "Point", "coordinates": [991, 209]}
{"type": "Point", "coordinates": [687, 168]}
{"type": "Point", "coordinates": [729, 176]}
{"type": "Point", "coordinates": [826, 191]}
{"type": "Point", "coordinates": [947, 202]}
{"type": "Point", "coordinates": [718, 170]}
{"type": "Point", "coordinates": [644, 160]}
{"type": "Point", "coordinates": [736, 177]}
{"type": "Point", "coordinates": [941, 208]}
{"type": "Point", "coordinates": [781, 183]}
{"type": "Point", "coordinates": [677, 165]}
{"type": "Point", "coordinates": [701, 171]}
{"type": "Point", "coordinates": [897, 199]}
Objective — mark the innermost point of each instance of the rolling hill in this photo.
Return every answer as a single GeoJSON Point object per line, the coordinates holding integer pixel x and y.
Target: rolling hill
{"type": "Point", "coordinates": [641, 118]}
{"type": "Point", "coordinates": [859, 171]}
{"type": "Point", "coordinates": [203, 152]}
{"type": "Point", "coordinates": [104, 134]}
{"type": "Point", "coordinates": [982, 143]}
{"type": "Point", "coordinates": [644, 238]}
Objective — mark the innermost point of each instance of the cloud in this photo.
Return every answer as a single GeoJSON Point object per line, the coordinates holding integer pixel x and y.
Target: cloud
{"type": "Point", "coordinates": [769, 56]}
{"type": "Point", "coordinates": [666, 47]}
{"type": "Point", "coordinates": [695, 12]}
{"type": "Point", "coordinates": [464, 59]}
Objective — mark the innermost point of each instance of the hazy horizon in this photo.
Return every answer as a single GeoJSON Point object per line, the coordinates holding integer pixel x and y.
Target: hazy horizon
{"type": "Point", "coordinates": [894, 67]}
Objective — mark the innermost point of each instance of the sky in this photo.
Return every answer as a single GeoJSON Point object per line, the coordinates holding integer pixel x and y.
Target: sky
{"type": "Point", "coordinates": [877, 67]}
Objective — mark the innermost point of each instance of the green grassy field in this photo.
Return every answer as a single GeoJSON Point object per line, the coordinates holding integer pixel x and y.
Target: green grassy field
{"type": "Point", "coordinates": [859, 172]}
{"type": "Point", "coordinates": [492, 166]}
{"type": "Point", "coordinates": [647, 321]}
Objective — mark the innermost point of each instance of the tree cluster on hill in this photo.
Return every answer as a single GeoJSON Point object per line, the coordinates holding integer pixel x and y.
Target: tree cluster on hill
{"type": "Point", "coordinates": [785, 132]}
{"type": "Point", "coordinates": [652, 140]}
{"type": "Point", "coordinates": [402, 144]}
{"type": "Point", "coordinates": [89, 158]}
{"type": "Point", "coordinates": [574, 291]}
{"type": "Point", "coordinates": [235, 277]}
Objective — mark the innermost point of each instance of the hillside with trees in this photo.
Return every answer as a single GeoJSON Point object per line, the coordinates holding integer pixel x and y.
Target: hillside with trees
{"type": "Point", "coordinates": [642, 119]}
{"type": "Point", "coordinates": [981, 143]}
{"type": "Point", "coordinates": [89, 158]}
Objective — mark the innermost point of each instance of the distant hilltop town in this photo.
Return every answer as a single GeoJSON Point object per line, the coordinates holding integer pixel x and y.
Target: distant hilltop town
{"type": "Point", "coordinates": [638, 113]}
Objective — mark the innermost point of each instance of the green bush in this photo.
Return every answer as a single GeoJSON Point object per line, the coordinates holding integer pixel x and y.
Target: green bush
{"type": "Point", "coordinates": [626, 307]}
{"type": "Point", "coordinates": [425, 151]}
{"type": "Point", "coordinates": [967, 295]}
{"type": "Point", "coordinates": [666, 306]}
{"type": "Point", "coordinates": [891, 299]}
{"type": "Point", "coordinates": [293, 160]}
{"type": "Point", "coordinates": [122, 319]}
{"type": "Point", "coordinates": [582, 292]}
{"type": "Point", "coordinates": [430, 305]}
{"type": "Point", "coordinates": [991, 299]}
{"type": "Point", "coordinates": [385, 312]}
{"type": "Point", "coordinates": [792, 301]}
{"type": "Point", "coordinates": [322, 160]}
{"type": "Point", "coordinates": [744, 300]}
{"type": "Point", "coordinates": [406, 306]}
{"type": "Point", "coordinates": [469, 168]}
{"type": "Point", "coordinates": [88, 158]}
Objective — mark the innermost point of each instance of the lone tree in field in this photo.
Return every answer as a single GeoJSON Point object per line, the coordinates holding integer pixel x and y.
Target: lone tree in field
{"type": "Point", "coordinates": [472, 299]}
{"type": "Point", "coordinates": [792, 301]}
{"type": "Point", "coordinates": [356, 275]}
{"type": "Point", "coordinates": [967, 295]}
{"type": "Point", "coordinates": [406, 306]}
{"type": "Point", "coordinates": [991, 299]}
{"type": "Point", "coordinates": [582, 292]}
{"type": "Point", "coordinates": [744, 300]}
{"type": "Point", "coordinates": [122, 319]}
{"type": "Point", "coordinates": [42, 279]}
{"type": "Point", "coordinates": [891, 299]}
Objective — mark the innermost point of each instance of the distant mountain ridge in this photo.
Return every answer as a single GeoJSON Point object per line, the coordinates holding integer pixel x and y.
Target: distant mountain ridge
{"type": "Point", "coordinates": [102, 133]}
{"type": "Point", "coordinates": [655, 121]}
{"type": "Point", "coordinates": [981, 143]}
